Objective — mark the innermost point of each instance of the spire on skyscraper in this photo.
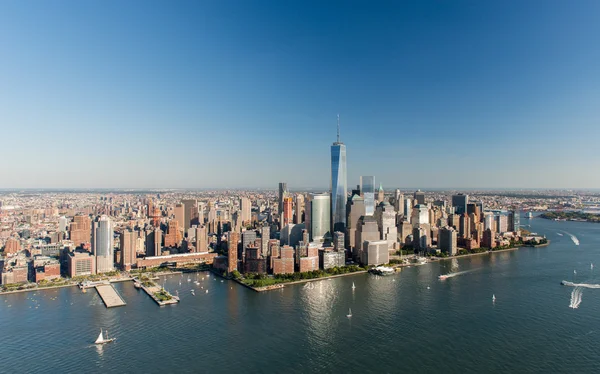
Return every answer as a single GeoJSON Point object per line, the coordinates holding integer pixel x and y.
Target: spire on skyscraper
{"type": "Point", "coordinates": [338, 128]}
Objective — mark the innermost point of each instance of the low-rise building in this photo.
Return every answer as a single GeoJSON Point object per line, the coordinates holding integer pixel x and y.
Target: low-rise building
{"type": "Point", "coordinates": [81, 263]}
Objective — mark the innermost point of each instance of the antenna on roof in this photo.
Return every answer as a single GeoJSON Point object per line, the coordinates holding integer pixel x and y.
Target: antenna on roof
{"type": "Point", "coordinates": [338, 129]}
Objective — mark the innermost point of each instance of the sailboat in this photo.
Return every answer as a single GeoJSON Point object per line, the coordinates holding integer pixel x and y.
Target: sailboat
{"type": "Point", "coordinates": [592, 266]}
{"type": "Point", "coordinates": [101, 339]}
{"type": "Point", "coordinates": [493, 298]}
{"type": "Point", "coordinates": [193, 293]}
{"type": "Point", "coordinates": [353, 286]}
{"type": "Point", "coordinates": [349, 315]}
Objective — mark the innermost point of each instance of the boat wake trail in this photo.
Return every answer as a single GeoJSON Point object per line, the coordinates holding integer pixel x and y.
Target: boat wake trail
{"type": "Point", "coordinates": [452, 275]}
{"type": "Point", "coordinates": [573, 238]}
{"type": "Point", "coordinates": [581, 285]}
{"type": "Point", "coordinates": [576, 298]}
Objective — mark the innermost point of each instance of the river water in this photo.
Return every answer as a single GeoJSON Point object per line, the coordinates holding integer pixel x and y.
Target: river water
{"type": "Point", "coordinates": [409, 322]}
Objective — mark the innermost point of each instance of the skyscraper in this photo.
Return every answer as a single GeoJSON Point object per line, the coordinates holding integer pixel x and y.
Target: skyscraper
{"type": "Point", "coordinates": [246, 210]}
{"type": "Point", "coordinates": [299, 209]}
{"type": "Point", "coordinates": [339, 187]}
{"type": "Point", "coordinates": [419, 197]}
{"type": "Point", "coordinates": [282, 193]}
{"type": "Point", "coordinates": [232, 251]}
{"type": "Point", "coordinates": [318, 223]}
{"type": "Point", "coordinates": [180, 216]}
{"type": "Point", "coordinates": [190, 207]}
{"type": "Point", "coordinates": [128, 245]}
{"type": "Point", "coordinates": [398, 202]}
{"type": "Point", "coordinates": [286, 217]}
{"type": "Point", "coordinates": [459, 202]}
{"type": "Point", "coordinates": [367, 187]}
{"type": "Point", "coordinates": [103, 244]}
{"type": "Point", "coordinates": [380, 194]}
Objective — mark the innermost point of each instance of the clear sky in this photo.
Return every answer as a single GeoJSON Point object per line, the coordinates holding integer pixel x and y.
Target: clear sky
{"type": "Point", "coordinates": [431, 94]}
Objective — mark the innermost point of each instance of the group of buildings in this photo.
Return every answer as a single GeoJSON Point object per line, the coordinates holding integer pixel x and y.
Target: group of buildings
{"type": "Point", "coordinates": [245, 231]}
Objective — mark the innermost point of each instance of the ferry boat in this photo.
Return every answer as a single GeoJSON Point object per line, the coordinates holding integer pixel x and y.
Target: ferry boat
{"type": "Point", "coordinates": [382, 270]}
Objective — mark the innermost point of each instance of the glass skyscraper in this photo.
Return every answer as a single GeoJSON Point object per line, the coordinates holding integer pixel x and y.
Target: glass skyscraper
{"type": "Point", "coordinates": [339, 184]}
{"type": "Point", "coordinates": [367, 188]}
{"type": "Point", "coordinates": [319, 224]}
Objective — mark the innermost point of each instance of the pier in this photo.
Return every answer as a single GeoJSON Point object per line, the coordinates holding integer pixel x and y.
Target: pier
{"type": "Point", "coordinates": [109, 296]}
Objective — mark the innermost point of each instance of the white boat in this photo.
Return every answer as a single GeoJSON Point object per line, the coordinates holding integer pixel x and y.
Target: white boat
{"type": "Point", "coordinates": [102, 340]}
{"type": "Point", "coordinates": [193, 293]}
{"type": "Point", "coordinates": [493, 298]}
{"type": "Point", "coordinates": [189, 279]}
{"type": "Point", "coordinates": [574, 271]}
{"type": "Point", "coordinates": [206, 291]}
{"type": "Point", "coordinates": [349, 315]}
{"type": "Point", "coordinates": [353, 286]}
{"type": "Point", "coordinates": [529, 215]}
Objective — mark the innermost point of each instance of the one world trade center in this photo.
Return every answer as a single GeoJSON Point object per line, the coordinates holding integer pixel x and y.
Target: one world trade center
{"type": "Point", "coordinates": [339, 184]}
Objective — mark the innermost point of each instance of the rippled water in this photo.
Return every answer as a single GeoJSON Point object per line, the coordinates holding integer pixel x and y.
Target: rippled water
{"type": "Point", "coordinates": [398, 324]}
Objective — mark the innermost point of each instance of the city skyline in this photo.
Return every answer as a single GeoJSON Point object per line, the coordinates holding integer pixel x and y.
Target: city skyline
{"type": "Point", "coordinates": [425, 91]}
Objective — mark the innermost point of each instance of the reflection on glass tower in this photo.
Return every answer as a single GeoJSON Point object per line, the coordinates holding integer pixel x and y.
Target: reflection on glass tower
{"type": "Point", "coordinates": [367, 187]}
{"type": "Point", "coordinates": [339, 188]}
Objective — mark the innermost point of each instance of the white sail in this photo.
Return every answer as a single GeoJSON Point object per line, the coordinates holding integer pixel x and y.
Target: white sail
{"type": "Point", "coordinates": [353, 286]}
{"type": "Point", "coordinates": [100, 338]}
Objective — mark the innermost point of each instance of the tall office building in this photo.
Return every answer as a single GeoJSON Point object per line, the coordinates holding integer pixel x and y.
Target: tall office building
{"type": "Point", "coordinates": [80, 230]}
{"type": "Point", "coordinates": [62, 224]}
{"type": "Point", "coordinates": [180, 216]}
{"type": "Point", "coordinates": [299, 209]}
{"type": "Point", "coordinates": [127, 241]}
{"type": "Point", "coordinates": [367, 188]}
{"type": "Point", "coordinates": [398, 202]}
{"type": "Point", "coordinates": [407, 208]}
{"type": "Point", "coordinates": [246, 210]}
{"type": "Point", "coordinates": [419, 197]}
{"type": "Point", "coordinates": [154, 242]}
{"type": "Point", "coordinates": [173, 236]}
{"type": "Point", "coordinates": [265, 236]}
{"type": "Point", "coordinates": [282, 194]}
{"type": "Point", "coordinates": [386, 220]}
{"type": "Point", "coordinates": [288, 211]}
{"type": "Point", "coordinates": [459, 202]}
{"type": "Point", "coordinates": [190, 210]}
{"type": "Point", "coordinates": [102, 244]}
{"type": "Point", "coordinates": [232, 251]}
{"type": "Point", "coordinates": [516, 220]}
{"type": "Point", "coordinates": [420, 215]}
{"type": "Point", "coordinates": [380, 194]}
{"type": "Point", "coordinates": [355, 209]}
{"type": "Point", "coordinates": [248, 239]}
{"type": "Point", "coordinates": [447, 241]}
{"type": "Point", "coordinates": [339, 187]}
{"type": "Point", "coordinates": [200, 236]}
{"type": "Point", "coordinates": [318, 222]}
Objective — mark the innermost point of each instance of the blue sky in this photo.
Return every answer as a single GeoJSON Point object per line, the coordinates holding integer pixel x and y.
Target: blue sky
{"type": "Point", "coordinates": [431, 94]}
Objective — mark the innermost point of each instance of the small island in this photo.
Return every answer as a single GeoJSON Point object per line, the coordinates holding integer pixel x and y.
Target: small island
{"type": "Point", "coordinates": [571, 216]}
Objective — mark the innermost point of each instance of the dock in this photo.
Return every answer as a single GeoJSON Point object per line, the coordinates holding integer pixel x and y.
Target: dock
{"type": "Point", "coordinates": [109, 296]}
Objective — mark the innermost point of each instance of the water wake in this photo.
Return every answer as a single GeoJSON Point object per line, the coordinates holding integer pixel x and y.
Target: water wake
{"type": "Point", "coordinates": [573, 238]}
{"type": "Point", "coordinates": [581, 285]}
{"type": "Point", "coordinates": [452, 275]}
{"type": "Point", "coordinates": [576, 298]}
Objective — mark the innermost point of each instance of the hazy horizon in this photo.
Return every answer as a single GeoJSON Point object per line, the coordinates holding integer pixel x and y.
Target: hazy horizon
{"type": "Point", "coordinates": [153, 94]}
